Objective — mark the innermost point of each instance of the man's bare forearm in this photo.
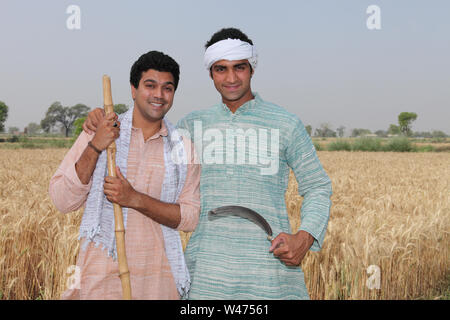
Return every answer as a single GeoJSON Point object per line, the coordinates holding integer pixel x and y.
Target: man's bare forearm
{"type": "Point", "coordinates": [167, 214]}
{"type": "Point", "coordinates": [85, 166]}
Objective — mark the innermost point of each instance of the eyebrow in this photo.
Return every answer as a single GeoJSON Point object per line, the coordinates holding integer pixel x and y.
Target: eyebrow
{"type": "Point", "coordinates": [240, 64]}
{"type": "Point", "coordinates": [233, 66]}
{"type": "Point", "coordinates": [156, 82]}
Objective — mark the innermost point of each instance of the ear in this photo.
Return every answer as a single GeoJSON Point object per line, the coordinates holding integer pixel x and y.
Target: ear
{"type": "Point", "coordinates": [133, 92]}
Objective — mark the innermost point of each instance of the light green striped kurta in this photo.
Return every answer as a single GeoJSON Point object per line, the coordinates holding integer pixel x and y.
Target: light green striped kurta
{"type": "Point", "coordinates": [228, 257]}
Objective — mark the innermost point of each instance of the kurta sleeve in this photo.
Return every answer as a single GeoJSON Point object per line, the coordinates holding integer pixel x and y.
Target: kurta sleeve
{"type": "Point", "coordinates": [189, 199]}
{"type": "Point", "coordinates": [314, 185]}
{"type": "Point", "coordinates": [66, 190]}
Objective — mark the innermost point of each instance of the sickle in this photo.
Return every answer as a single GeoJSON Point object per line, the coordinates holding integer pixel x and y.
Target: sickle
{"type": "Point", "coordinates": [244, 213]}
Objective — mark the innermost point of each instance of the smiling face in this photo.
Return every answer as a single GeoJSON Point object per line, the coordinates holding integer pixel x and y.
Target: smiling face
{"type": "Point", "coordinates": [153, 97]}
{"type": "Point", "coordinates": [232, 80]}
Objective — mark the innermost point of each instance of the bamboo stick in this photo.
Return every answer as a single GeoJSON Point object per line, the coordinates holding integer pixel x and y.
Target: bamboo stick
{"type": "Point", "coordinates": [124, 273]}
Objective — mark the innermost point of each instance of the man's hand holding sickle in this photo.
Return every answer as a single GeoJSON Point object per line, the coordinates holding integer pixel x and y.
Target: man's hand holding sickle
{"type": "Point", "coordinates": [289, 248]}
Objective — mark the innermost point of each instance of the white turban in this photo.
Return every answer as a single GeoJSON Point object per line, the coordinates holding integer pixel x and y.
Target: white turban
{"type": "Point", "coordinates": [230, 49]}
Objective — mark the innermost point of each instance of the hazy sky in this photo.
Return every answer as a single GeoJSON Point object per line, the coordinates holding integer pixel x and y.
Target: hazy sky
{"type": "Point", "coordinates": [318, 59]}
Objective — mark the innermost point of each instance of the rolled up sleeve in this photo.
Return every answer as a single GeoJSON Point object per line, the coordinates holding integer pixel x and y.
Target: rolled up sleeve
{"type": "Point", "coordinates": [66, 190]}
{"type": "Point", "coordinates": [189, 199]}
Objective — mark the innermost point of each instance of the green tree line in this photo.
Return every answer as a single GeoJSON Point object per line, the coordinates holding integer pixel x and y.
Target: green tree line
{"type": "Point", "coordinates": [67, 119]}
{"type": "Point", "coordinates": [402, 128]}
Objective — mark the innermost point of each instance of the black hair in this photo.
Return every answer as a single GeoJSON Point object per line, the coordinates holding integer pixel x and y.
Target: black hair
{"type": "Point", "coordinates": [227, 33]}
{"type": "Point", "coordinates": [154, 60]}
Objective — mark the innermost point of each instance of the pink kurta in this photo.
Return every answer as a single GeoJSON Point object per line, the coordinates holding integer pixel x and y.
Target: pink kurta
{"type": "Point", "coordinates": [150, 273]}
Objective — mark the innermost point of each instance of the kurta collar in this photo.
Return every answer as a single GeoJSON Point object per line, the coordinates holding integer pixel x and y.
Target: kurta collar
{"type": "Point", "coordinates": [162, 132]}
{"type": "Point", "coordinates": [246, 106]}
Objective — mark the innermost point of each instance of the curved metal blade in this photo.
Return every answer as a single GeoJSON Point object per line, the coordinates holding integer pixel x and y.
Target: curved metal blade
{"type": "Point", "coordinates": [244, 213]}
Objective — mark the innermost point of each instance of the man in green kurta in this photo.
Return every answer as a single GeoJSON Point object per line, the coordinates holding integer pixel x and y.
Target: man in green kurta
{"type": "Point", "coordinates": [246, 146]}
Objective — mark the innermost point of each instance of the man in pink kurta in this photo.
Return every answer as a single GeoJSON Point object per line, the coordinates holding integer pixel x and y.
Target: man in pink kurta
{"type": "Point", "coordinates": [150, 271]}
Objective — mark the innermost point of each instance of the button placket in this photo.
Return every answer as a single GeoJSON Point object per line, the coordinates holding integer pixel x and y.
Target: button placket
{"type": "Point", "coordinates": [232, 126]}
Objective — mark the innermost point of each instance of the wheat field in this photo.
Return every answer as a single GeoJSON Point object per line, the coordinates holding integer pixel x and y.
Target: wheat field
{"type": "Point", "coordinates": [390, 222]}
